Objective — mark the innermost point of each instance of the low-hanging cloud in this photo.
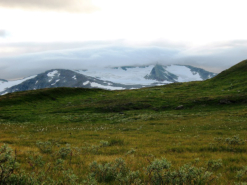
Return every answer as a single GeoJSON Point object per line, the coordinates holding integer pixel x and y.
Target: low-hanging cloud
{"type": "Point", "coordinates": [3, 33]}
{"type": "Point", "coordinates": [30, 64]}
{"type": "Point", "coordinates": [20, 48]}
{"type": "Point", "coordinates": [215, 58]}
{"type": "Point", "coordinates": [83, 6]}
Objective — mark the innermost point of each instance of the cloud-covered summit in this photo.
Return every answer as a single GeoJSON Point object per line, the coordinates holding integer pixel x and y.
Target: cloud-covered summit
{"type": "Point", "coordinates": [82, 6]}
{"type": "Point", "coordinates": [107, 55]}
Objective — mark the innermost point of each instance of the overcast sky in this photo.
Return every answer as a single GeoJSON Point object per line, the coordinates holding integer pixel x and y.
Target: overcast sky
{"type": "Point", "coordinates": [39, 35]}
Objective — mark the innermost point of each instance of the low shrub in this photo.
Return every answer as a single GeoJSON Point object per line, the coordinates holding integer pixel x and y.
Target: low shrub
{"type": "Point", "coordinates": [45, 147]}
{"type": "Point", "coordinates": [114, 171]}
{"type": "Point", "coordinates": [8, 164]}
{"type": "Point", "coordinates": [116, 141]}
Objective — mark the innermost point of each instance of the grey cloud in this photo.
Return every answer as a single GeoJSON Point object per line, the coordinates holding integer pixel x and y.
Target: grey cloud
{"type": "Point", "coordinates": [219, 47]}
{"type": "Point", "coordinates": [215, 57]}
{"type": "Point", "coordinates": [30, 64]}
{"type": "Point", "coordinates": [33, 47]}
{"type": "Point", "coordinates": [3, 33]}
{"type": "Point", "coordinates": [85, 6]}
{"type": "Point", "coordinates": [230, 44]}
{"type": "Point", "coordinates": [107, 54]}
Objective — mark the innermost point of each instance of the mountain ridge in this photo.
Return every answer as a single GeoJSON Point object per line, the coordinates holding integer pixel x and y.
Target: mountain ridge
{"type": "Point", "coordinates": [117, 78]}
{"type": "Point", "coordinates": [62, 78]}
{"type": "Point", "coordinates": [160, 74]}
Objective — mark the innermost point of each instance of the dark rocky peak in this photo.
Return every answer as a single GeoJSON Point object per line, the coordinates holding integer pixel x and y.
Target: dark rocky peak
{"type": "Point", "coordinates": [160, 74]}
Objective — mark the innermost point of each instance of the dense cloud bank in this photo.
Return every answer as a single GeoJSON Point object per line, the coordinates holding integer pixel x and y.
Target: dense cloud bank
{"type": "Point", "coordinates": [212, 58]}
{"type": "Point", "coordinates": [3, 33]}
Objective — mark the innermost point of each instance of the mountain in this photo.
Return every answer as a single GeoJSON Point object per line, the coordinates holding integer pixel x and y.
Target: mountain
{"type": "Point", "coordinates": [64, 78]}
{"type": "Point", "coordinates": [160, 74]}
{"type": "Point", "coordinates": [117, 78]}
{"type": "Point", "coordinates": [146, 75]}
{"type": "Point", "coordinates": [178, 73]}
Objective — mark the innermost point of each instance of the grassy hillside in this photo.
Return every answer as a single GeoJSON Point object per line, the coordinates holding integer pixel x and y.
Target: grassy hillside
{"type": "Point", "coordinates": [181, 122]}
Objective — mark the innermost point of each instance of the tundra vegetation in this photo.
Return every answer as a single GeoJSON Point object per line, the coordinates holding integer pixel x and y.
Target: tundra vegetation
{"type": "Point", "coordinates": [93, 136]}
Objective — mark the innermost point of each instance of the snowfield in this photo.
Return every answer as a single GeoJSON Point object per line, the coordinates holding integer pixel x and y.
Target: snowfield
{"type": "Point", "coordinates": [136, 75]}
{"type": "Point", "coordinates": [53, 73]}
{"type": "Point", "coordinates": [184, 73]}
{"type": "Point", "coordinates": [132, 76]}
{"type": "Point", "coordinates": [93, 84]}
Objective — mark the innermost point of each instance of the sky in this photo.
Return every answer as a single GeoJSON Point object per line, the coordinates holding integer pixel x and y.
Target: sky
{"type": "Point", "coordinates": [77, 34]}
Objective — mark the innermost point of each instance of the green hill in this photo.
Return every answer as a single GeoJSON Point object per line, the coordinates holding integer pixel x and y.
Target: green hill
{"type": "Point", "coordinates": [237, 72]}
{"type": "Point", "coordinates": [182, 122]}
{"type": "Point", "coordinates": [233, 78]}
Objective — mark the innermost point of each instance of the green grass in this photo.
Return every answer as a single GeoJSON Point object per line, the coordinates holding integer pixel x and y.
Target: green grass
{"type": "Point", "coordinates": [140, 125]}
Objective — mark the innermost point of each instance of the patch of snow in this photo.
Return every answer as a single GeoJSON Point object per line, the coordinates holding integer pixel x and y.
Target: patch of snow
{"type": "Point", "coordinates": [74, 77]}
{"type": "Point", "coordinates": [130, 76]}
{"type": "Point", "coordinates": [85, 83]}
{"type": "Point", "coordinates": [53, 73]}
{"type": "Point", "coordinates": [93, 84]}
{"type": "Point", "coordinates": [184, 73]}
{"type": "Point", "coordinates": [160, 84]}
{"type": "Point", "coordinates": [55, 82]}
{"type": "Point", "coordinates": [164, 82]}
{"type": "Point", "coordinates": [36, 82]}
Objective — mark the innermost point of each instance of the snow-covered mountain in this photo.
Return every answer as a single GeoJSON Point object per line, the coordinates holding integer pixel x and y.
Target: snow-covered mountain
{"type": "Point", "coordinates": [60, 78]}
{"type": "Point", "coordinates": [178, 73]}
{"type": "Point", "coordinates": [149, 74]}
{"type": "Point", "coordinates": [117, 78]}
